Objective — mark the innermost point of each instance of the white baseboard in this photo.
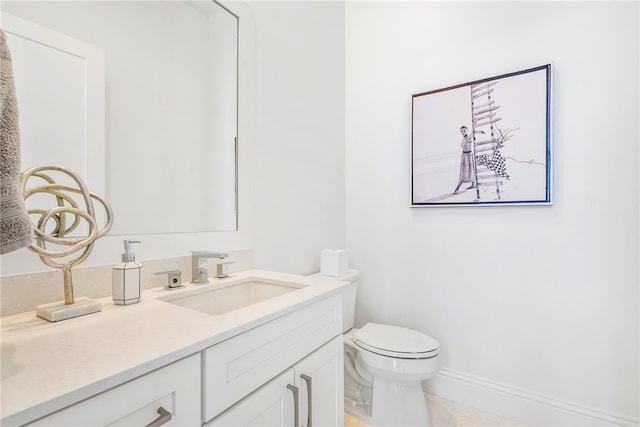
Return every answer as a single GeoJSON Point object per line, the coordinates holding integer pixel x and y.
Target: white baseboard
{"type": "Point", "coordinates": [523, 406]}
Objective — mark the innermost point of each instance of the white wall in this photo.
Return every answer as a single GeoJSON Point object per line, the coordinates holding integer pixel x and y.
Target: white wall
{"type": "Point", "coordinates": [299, 128]}
{"type": "Point", "coordinates": [531, 302]}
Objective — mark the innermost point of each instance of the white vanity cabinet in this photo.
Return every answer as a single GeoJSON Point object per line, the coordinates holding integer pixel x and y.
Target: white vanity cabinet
{"type": "Point", "coordinates": [275, 362]}
{"type": "Point", "coordinates": [311, 391]}
{"type": "Point", "coordinates": [297, 354]}
{"type": "Point", "coordinates": [174, 388]}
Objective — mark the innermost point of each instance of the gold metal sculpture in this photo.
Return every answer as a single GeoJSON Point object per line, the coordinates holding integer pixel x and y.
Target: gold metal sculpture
{"type": "Point", "coordinates": [53, 227]}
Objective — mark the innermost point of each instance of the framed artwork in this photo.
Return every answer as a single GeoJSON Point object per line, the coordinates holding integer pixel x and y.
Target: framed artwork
{"type": "Point", "coordinates": [483, 143]}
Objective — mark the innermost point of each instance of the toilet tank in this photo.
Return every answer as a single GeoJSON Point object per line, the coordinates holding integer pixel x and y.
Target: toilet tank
{"type": "Point", "coordinates": [348, 297]}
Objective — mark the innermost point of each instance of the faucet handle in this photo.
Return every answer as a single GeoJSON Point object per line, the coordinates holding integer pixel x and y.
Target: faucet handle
{"type": "Point", "coordinates": [222, 269]}
{"type": "Point", "coordinates": [174, 279]}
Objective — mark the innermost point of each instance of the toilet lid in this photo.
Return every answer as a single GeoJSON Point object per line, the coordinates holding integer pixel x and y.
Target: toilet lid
{"type": "Point", "coordinates": [394, 341]}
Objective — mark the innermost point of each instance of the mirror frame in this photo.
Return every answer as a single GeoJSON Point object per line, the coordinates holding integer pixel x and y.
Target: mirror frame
{"type": "Point", "coordinates": [160, 246]}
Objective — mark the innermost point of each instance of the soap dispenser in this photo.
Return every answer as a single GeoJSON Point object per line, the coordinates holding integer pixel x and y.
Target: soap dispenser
{"type": "Point", "coordinates": [126, 284]}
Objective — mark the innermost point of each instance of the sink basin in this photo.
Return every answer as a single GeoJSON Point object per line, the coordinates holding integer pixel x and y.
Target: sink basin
{"type": "Point", "coordinates": [221, 300]}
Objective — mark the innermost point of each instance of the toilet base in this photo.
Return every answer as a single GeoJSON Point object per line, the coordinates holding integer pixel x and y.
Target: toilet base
{"type": "Point", "coordinates": [399, 404]}
{"type": "Point", "coordinates": [392, 404]}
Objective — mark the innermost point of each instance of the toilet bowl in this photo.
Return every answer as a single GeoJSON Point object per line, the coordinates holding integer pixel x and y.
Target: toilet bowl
{"type": "Point", "coordinates": [384, 366]}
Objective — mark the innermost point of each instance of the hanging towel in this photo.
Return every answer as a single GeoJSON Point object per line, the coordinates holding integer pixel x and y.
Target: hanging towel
{"type": "Point", "coordinates": [15, 225]}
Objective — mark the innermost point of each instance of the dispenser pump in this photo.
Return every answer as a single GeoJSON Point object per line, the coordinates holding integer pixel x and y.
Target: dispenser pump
{"type": "Point", "coordinates": [128, 254]}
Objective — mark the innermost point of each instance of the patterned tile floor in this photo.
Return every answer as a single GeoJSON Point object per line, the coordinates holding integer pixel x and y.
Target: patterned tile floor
{"type": "Point", "coordinates": [447, 413]}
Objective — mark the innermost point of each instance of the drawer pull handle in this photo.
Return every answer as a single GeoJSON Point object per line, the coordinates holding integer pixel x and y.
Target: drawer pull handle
{"type": "Point", "coordinates": [307, 379]}
{"type": "Point", "coordinates": [165, 417]}
{"type": "Point", "coordinates": [296, 405]}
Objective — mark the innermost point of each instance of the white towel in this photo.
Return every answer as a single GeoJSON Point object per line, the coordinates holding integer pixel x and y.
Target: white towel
{"type": "Point", "coordinates": [15, 225]}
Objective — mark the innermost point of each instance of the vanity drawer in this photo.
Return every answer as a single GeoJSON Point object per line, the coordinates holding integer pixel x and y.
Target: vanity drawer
{"type": "Point", "coordinates": [236, 367]}
{"type": "Point", "coordinates": [175, 388]}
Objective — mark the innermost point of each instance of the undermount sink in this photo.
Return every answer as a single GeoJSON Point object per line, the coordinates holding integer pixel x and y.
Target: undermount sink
{"type": "Point", "coordinates": [233, 296]}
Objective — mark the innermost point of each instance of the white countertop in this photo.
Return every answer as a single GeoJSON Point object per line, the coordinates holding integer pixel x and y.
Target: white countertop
{"type": "Point", "coordinates": [49, 366]}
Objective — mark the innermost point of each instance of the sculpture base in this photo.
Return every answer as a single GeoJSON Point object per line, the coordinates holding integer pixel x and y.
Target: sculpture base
{"type": "Point", "coordinates": [56, 311]}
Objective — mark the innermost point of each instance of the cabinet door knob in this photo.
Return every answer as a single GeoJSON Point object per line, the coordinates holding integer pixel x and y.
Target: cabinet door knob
{"type": "Point", "coordinates": [296, 405]}
{"type": "Point", "coordinates": [165, 417]}
{"type": "Point", "coordinates": [307, 379]}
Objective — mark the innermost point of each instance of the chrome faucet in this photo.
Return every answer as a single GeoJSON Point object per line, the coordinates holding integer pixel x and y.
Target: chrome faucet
{"type": "Point", "coordinates": [199, 273]}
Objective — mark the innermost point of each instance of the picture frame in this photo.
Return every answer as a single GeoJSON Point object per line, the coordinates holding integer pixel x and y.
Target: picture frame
{"type": "Point", "coordinates": [485, 142]}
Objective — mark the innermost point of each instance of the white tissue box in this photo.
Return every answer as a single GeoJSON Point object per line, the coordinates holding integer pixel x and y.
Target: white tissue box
{"type": "Point", "coordinates": [333, 262]}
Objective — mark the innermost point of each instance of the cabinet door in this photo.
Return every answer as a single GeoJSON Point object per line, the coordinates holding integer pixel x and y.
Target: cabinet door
{"type": "Point", "coordinates": [320, 378]}
{"type": "Point", "coordinates": [274, 404]}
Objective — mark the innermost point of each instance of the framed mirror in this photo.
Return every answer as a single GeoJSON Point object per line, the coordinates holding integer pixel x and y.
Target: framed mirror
{"type": "Point", "coordinates": [140, 98]}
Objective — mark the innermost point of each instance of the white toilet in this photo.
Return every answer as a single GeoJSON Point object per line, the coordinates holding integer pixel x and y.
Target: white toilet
{"type": "Point", "coordinates": [383, 368]}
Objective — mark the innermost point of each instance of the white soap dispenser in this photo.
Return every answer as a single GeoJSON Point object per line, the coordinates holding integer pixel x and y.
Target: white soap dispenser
{"type": "Point", "coordinates": [126, 284]}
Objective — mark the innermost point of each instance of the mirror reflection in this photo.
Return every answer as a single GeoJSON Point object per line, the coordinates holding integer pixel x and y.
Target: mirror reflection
{"type": "Point", "coordinates": [140, 97]}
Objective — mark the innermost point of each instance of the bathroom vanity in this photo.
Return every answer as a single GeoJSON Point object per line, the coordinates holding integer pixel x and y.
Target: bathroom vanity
{"type": "Point", "coordinates": [238, 351]}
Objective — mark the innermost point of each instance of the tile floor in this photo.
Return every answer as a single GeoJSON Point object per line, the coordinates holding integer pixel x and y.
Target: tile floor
{"type": "Point", "coordinates": [447, 413]}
